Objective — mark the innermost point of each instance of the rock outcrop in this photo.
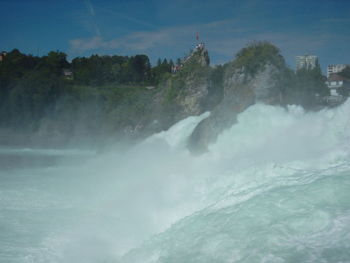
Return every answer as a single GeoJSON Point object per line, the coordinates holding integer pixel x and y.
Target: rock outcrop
{"type": "Point", "coordinates": [255, 80]}
{"type": "Point", "coordinates": [186, 92]}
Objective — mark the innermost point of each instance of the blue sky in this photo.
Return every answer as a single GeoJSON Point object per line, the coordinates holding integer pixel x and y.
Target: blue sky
{"type": "Point", "coordinates": [162, 28]}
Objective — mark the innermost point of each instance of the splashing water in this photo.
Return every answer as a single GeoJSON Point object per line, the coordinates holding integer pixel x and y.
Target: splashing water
{"type": "Point", "coordinates": [275, 187]}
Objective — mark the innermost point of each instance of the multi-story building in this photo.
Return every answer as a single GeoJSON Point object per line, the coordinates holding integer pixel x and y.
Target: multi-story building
{"type": "Point", "coordinates": [306, 62]}
{"type": "Point", "coordinates": [335, 69]}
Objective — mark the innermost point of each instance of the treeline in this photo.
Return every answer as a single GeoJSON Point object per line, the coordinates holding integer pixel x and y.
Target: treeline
{"type": "Point", "coordinates": [109, 92]}
{"type": "Point", "coordinates": [31, 86]}
{"type": "Point", "coordinates": [100, 70]}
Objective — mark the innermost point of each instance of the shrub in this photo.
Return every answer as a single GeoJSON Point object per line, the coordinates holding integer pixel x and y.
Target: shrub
{"type": "Point", "coordinates": [256, 55]}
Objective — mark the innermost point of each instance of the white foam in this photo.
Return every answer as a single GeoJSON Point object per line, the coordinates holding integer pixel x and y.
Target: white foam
{"type": "Point", "coordinates": [249, 198]}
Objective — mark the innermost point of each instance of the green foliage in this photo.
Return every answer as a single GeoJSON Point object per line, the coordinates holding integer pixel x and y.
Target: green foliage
{"type": "Point", "coordinates": [29, 85]}
{"type": "Point", "coordinates": [345, 72]}
{"type": "Point", "coordinates": [100, 70]}
{"type": "Point", "coordinates": [256, 55]}
{"type": "Point", "coordinates": [345, 89]}
{"type": "Point", "coordinates": [33, 87]}
{"type": "Point", "coordinates": [301, 87]}
{"type": "Point", "coordinates": [174, 89]}
{"type": "Point", "coordinates": [217, 75]}
{"type": "Point", "coordinates": [216, 87]}
{"type": "Point", "coordinates": [104, 88]}
{"type": "Point", "coordinates": [54, 62]}
{"type": "Point", "coordinates": [161, 71]}
{"type": "Point", "coordinates": [304, 86]}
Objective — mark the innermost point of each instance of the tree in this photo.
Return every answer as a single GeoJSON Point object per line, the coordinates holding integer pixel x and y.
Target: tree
{"type": "Point", "coordinates": [140, 67]}
{"type": "Point", "coordinates": [345, 89]}
{"type": "Point", "coordinates": [345, 72]}
{"type": "Point", "coordinates": [310, 83]}
{"type": "Point", "coordinates": [55, 62]}
{"type": "Point", "coordinates": [178, 62]}
{"type": "Point", "coordinates": [257, 54]}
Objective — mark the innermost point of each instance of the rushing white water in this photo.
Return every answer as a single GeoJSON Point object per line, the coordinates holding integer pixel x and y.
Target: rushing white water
{"type": "Point", "coordinates": [274, 188]}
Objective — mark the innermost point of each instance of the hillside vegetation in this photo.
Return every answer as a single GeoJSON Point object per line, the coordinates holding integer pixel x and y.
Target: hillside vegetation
{"type": "Point", "coordinates": [126, 96]}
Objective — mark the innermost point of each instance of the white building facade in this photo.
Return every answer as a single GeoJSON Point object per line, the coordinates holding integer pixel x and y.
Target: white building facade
{"type": "Point", "coordinates": [335, 82]}
{"type": "Point", "coordinates": [335, 69]}
{"type": "Point", "coordinates": [306, 62]}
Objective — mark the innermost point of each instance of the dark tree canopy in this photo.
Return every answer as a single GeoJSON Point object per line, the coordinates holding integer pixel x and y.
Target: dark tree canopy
{"type": "Point", "coordinates": [31, 86]}
{"type": "Point", "coordinates": [258, 54]}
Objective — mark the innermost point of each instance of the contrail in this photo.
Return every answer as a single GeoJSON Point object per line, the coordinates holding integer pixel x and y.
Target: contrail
{"type": "Point", "coordinates": [91, 10]}
{"type": "Point", "coordinates": [126, 17]}
{"type": "Point", "coordinates": [90, 7]}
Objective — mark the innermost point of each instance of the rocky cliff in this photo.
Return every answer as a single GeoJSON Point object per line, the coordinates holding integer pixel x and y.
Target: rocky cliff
{"type": "Point", "coordinates": [131, 111]}
{"type": "Point", "coordinates": [254, 76]}
{"type": "Point", "coordinates": [186, 92]}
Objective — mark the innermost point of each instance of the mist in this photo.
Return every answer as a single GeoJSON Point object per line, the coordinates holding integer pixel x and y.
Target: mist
{"type": "Point", "coordinates": [156, 201]}
{"type": "Point", "coordinates": [174, 131]}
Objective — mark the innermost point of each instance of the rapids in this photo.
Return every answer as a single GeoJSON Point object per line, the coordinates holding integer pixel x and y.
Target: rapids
{"type": "Point", "coordinates": [275, 187]}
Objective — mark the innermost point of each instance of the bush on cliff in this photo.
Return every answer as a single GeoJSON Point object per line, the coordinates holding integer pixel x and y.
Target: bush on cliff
{"type": "Point", "coordinates": [256, 55]}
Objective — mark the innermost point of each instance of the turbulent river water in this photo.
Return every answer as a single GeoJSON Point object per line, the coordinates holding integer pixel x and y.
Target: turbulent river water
{"type": "Point", "coordinates": [275, 187]}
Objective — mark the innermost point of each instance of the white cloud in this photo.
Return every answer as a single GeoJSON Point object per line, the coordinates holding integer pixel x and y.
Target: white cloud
{"type": "Point", "coordinates": [90, 7]}
{"type": "Point", "coordinates": [91, 11]}
{"type": "Point", "coordinates": [223, 39]}
{"type": "Point", "coordinates": [144, 40]}
{"type": "Point", "coordinates": [136, 41]}
{"type": "Point", "coordinates": [113, 13]}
